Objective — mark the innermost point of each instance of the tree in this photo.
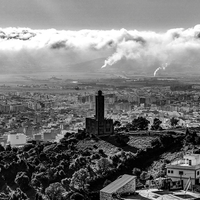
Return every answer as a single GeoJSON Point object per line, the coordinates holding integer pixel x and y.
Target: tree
{"type": "Point", "coordinates": [8, 147]}
{"type": "Point", "coordinates": [106, 182]}
{"type": "Point", "coordinates": [144, 176]}
{"type": "Point", "coordinates": [17, 194]}
{"type": "Point", "coordinates": [136, 172]}
{"type": "Point", "coordinates": [174, 121]}
{"type": "Point", "coordinates": [39, 196]}
{"type": "Point", "coordinates": [122, 139]}
{"type": "Point", "coordinates": [55, 191]}
{"type": "Point", "coordinates": [117, 123]}
{"type": "Point", "coordinates": [141, 123]}
{"type": "Point", "coordinates": [79, 179]}
{"type": "Point", "coordinates": [22, 180]}
{"type": "Point", "coordinates": [1, 148]}
{"type": "Point", "coordinates": [77, 196]}
{"type": "Point", "coordinates": [187, 132]}
{"type": "Point", "coordinates": [103, 164]}
{"type": "Point", "coordinates": [156, 124]}
{"type": "Point", "coordinates": [65, 182]}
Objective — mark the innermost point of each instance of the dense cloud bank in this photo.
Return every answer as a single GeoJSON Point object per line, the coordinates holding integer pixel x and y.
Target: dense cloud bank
{"type": "Point", "coordinates": [24, 49]}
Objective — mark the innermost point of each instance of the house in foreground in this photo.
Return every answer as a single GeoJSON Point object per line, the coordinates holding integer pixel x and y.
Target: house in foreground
{"type": "Point", "coordinates": [124, 184]}
{"type": "Point", "coordinates": [185, 169]}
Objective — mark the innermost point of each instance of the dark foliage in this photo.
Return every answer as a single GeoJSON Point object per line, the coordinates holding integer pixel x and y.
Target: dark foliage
{"type": "Point", "coordinates": [141, 123]}
{"type": "Point", "coordinates": [156, 124]}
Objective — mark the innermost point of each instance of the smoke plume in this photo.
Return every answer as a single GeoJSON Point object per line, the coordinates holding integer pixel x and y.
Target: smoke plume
{"type": "Point", "coordinates": [24, 49]}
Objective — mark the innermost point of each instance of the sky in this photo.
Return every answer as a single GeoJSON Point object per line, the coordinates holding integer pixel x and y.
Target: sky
{"type": "Point", "coordinates": [154, 15]}
{"type": "Point", "coordinates": [151, 35]}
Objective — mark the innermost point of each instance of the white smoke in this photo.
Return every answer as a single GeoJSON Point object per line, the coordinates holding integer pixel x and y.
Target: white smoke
{"type": "Point", "coordinates": [22, 48]}
{"type": "Point", "coordinates": [163, 67]}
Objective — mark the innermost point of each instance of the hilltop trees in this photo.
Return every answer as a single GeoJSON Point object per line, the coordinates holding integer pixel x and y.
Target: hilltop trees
{"type": "Point", "coordinates": [56, 170]}
{"type": "Point", "coordinates": [117, 123]}
{"type": "Point", "coordinates": [174, 121]}
{"type": "Point", "coordinates": [22, 180]}
{"type": "Point", "coordinates": [191, 137]}
{"type": "Point", "coordinates": [55, 191]}
{"type": "Point", "coordinates": [79, 179]}
{"type": "Point", "coordinates": [156, 124]}
{"type": "Point", "coordinates": [103, 164]}
{"type": "Point", "coordinates": [141, 123]}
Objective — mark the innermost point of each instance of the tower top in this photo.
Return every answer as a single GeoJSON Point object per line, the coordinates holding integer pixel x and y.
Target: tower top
{"type": "Point", "coordinates": [99, 93]}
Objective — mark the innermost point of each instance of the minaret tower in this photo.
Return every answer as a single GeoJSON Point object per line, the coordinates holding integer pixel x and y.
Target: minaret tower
{"type": "Point", "coordinates": [100, 112]}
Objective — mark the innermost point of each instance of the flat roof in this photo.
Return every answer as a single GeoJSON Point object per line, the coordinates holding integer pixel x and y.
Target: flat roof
{"type": "Point", "coordinates": [182, 166]}
{"type": "Point", "coordinates": [156, 194]}
{"type": "Point", "coordinates": [118, 183]}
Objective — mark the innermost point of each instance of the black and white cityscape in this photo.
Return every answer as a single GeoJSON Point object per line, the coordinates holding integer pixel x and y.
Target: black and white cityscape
{"type": "Point", "coordinates": [100, 100]}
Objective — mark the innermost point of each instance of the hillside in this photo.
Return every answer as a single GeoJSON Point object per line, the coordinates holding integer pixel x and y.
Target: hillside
{"type": "Point", "coordinates": [35, 169]}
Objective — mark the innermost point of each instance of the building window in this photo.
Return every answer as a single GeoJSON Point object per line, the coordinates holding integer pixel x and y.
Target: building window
{"type": "Point", "coordinates": [168, 171]}
{"type": "Point", "coordinates": [197, 172]}
{"type": "Point", "coordinates": [172, 171]}
{"type": "Point", "coordinates": [107, 129]}
{"type": "Point", "coordinates": [180, 173]}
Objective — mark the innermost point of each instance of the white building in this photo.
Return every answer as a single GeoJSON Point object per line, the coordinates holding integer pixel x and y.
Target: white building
{"type": "Point", "coordinates": [184, 169]}
{"type": "Point", "coordinates": [16, 139]}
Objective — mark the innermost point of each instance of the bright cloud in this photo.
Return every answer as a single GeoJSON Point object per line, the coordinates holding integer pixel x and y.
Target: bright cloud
{"type": "Point", "coordinates": [22, 48]}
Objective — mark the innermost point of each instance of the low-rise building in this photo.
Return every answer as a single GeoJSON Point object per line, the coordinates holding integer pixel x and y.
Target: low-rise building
{"type": "Point", "coordinates": [16, 139]}
{"type": "Point", "coordinates": [184, 169]}
{"type": "Point", "coordinates": [124, 184]}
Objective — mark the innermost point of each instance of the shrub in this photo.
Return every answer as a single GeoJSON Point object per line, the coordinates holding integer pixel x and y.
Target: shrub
{"type": "Point", "coordinates": [77, 196]}
{"type": "Point", "coordinates": [55, 191]}
{"type": "Point", "coordinates": [22, 180]}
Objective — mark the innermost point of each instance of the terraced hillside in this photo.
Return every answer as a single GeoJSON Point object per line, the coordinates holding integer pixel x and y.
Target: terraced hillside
{"type": "Point", "coordinates": [108, 148]}
{"type": "Point", "coordinates": [141, 142]}
{"type": "Point", "coordinates": [108, 145]}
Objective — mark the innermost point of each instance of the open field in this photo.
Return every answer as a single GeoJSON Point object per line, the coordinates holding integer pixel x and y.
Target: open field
{"type": "Point", "coordinates": [135, 142]}
{"type": "Point", "coordinates": [108, 148]}
{"type": "Point", "coordinates": [141, 142]}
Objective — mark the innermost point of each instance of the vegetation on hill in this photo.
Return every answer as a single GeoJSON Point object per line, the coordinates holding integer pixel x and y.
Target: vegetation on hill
{"type": "Point", "coordinates": [79, 166]}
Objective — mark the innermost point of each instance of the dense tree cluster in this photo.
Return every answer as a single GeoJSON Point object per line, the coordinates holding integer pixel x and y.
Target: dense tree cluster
{"type": "Point", "coordinates": [191, 137]}
{"type": "Point", "coordinates": [156, 124]}
{"type": "Point", "coordinates": [43, 167]}
{"type": "Point", "coordinates": [61, 170]}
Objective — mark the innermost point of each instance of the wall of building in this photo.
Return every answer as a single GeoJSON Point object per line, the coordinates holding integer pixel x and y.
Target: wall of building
{"type": "Point", "coordinates": [128, 187]}
{"type": "Point", "coordinates": [108, 126]}
{"type": "Point", "coordinates": [91, 126]}
{"type": "Point", "coordinates": [185, 180]}
{"type": "Point", "coordinates": [198, 173]}
{"type": "Point", "coordinates": [195, 160]}
{"type": "Point", "coordinates": [37, 137]}
{"type": "Point", "coordinates": [175, 176]}
{"type": "Point", "coordinates": [16, 139]}
{"type": "Point", "coordinates": [176, 173]}
{"type": "Point", "coordinates": [105, 196]}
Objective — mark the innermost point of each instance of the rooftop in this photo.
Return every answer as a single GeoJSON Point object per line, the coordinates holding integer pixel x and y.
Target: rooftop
{"type": "Point", "coordinates": [155, 194]}
{"type": "Point", "coordinates": [118, 183]}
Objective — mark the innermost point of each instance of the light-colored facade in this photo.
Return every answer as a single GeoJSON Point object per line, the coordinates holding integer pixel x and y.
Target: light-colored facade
{"type": "Point", "coordinates": [187, 168]}
{"type": "Point", "coordinates": [16, 139]}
